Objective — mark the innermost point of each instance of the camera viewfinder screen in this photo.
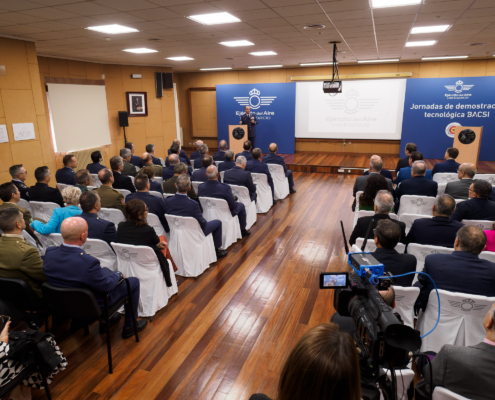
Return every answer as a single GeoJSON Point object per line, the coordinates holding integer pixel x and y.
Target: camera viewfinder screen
{"type": "Point", "coordinates": [335, 280]}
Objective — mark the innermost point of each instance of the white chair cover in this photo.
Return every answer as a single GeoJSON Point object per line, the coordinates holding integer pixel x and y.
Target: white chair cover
{"type": "Point", "coordinates": [43, 210]}
{"type": "Point", "coordinates": [158, 179]}
{"type": "Point", "coordinates": [441, 188]}
{"type": "Point", "coordinates": [416, 205]}
{"type": "Point", "coordinates": [165, 195]}
{"type": "Point", "coordinates": [264, 200]}
{"type": "Point", "coordinates": [154, 221]}
{"type": "Point", "coordinates": [371, 247]}
{"type": "Point", "coordinates": [242, 193]}
{"type": "Point", "coordinates": [138, 169]}
{"type": "Point", "coordinates": [222, 173]}
{"type": "Point", "coordinates": [440, 393]}
{"type": "Point", "coordinates": [445, 177]}
{"type": "Point", "coordinates": [280, 181]}
{"type": "Point", "coordinates": [25, 204]}
{"type": "Point", "coordinates": [132, 178]}
{"type": "Point", "coordinates": [485, 225]}
{"type": "Point", "coordinates": [420, 251]}
{"type": "Point", "coordinates": [486, 177]}
{"type": "Point", "coordinates": [357, 208]}
{"type": "Point", "coordinates": [162, 162]}
{"type": "Point", "coordinates": [405, 297]}
{"type": "Point", "coordinates": [457, 201]}
{"type": "Point", "coordinates": [95, 180]}
{"type": "Point", "coordinates": [359, 214]}
{"type": "Point", "coordinates": [54, 239]}
{"type": "Point", "coordinates": [461, 320]}
{"type": "Point", "coordinates": [102, 251]}
{"type": "Point", "coordinates": [195, 185]}
{"type": "Point", "coordinates": [141, 262]}
{"type": "Point", "coordinates": [404, 378]}
{"type": "Point", "coordinates": [156, 194]}
{"type": "Point", "coordinates": [409, 219]}
{"type": "Point", "coordinates": [192, 251]}
{"type": "Point", "coordinates": [91, 187]}
{"type": "Point", "coordinates": [218, 163]}
{"type": "Point", "coordinates": [62, 186]}
{"type": "Point", "coordinates": [32, 242]}
{"type": "Point", "coordinates": [124, 192]}
{"type": "Point", "coordinates": [112, 214]}
{"type": "Point", "coordinates": [219, 209]}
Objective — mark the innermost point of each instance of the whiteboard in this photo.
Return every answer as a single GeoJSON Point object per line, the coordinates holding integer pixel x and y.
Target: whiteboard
{"type": "Point", "coordinates": [79, 116]}
{"type": "Point", "coordinates": [366, 109]}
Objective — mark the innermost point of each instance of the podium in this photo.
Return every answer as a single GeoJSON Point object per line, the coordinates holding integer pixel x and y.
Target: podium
{"type": "Point", "coordinates": [238, 134]}
{"type": "Point", "coordinates": [468, 141]}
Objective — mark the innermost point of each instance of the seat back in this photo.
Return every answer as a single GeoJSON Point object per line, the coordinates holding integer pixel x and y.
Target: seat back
{"type": "Point", "coordinates": [158, 179]}
{"type": "Point", "coordinates": [215, 209]}
{"type": "Point", "coordinates": [156, 194]}
{"type": "Point", "coordinates": [165, 195]}
{"type": "Point", "coordinates": [113, 215]}
{"type": "Point", "coordinates": [222, 173]}
{"type": "Point", "coordinates": [445, 177]}
{"type": "Point", "coordinates": [485, 225]}
{"type": "Point", "coordinates": [102, 251]}
{"type": "Point", "coordinates": [457, 201]}
{"type": "Point", "coordinates": [218, 163]}
{"type": "Point", "coordinates": [487, 177]}
{"type": "Point", "coordinates": [358, 195]}
{"type": "Point", "coordinates": [488, 255]}
{"type": "Point", "coordinates": [154, 221]}
{"type": "Point", "coordinates": [371, 247]}
{"type": "Point", "coordinates": [420, 251]}
{"type": "Point", "coordinates": [132, 178]}
{"type": "Point", "coordinates": [162, 162]}
{"type": "Point", "coordinates": [422, 205]}
{"type": "Point", "coordinates": [95, 180]}
{"type": "Point", "coordinates": [62, 186]}
{"type": "Point", "coordinates": [31, 241]}
{"type": "Point", "coordinates": [441, 188]}
{"type": "Point", "coordinates": [71, 302]}
{"type": "Point", "coordinates": [19, 293]}
{"type": "Point", "coordinates": [264, 199]}
{"type": "Point", "coordinates": [440, 393]}
{"type": "Point", "coordinates": [409, 219]}
{"type": "Point", "coordinates": [53, 239]}
{"type": "Point", "coordinates": [25, 204]}
{"type": "Point", "coordinates": [242, 194]}
{"type": "Point", "coordinates": [280, 181]}
{"type": "Point", "coordinates": [43, 210]}
{"type": "Point", "coordinates": [405, 297]}
{"type": "Point", "coordinates": [195, 185]}
{"type": "Point", "coordinates": [124, 192]}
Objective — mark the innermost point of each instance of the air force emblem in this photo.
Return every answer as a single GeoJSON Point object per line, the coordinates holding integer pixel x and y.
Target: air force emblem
{"type": "Point", "coordinates": [255, 101]}
{"type": "Point", "coordinates": [459, 87]}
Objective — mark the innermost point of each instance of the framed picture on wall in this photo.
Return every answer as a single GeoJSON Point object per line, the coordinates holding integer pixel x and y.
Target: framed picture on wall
{"type": "Point", "coordinates": [137, 104]}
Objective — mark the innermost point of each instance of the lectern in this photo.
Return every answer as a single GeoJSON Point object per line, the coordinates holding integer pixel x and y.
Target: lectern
{"type": "Point", "coordinates": [238, 134]}
{"type": "Point", "coordinates": [468, 141]}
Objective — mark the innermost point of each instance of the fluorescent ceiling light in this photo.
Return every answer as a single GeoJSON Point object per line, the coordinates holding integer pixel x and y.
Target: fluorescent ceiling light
{"type": "Point", "coordinates": [180, 58]}
{"type": "Point", "coordinates": [421, 43]}
{"type": "Point", "coordinates": [214, 69]}
{"type": "Point", "coordinates": [112, 29]}
{"type": "Point", "coordinates": [265, 66]}
{"type": "Point", "coordinates": [263, 53]}
{"type": "Point", "coordinates": [141, 50]}
{"type": "Point", "coordinates": [237, 43]}
{"type": "Point", "coordinates": [429, 29]}
{"type": "Point", "coordinates": [394, 3]}
{"type": "Point", "coordinates": [443, 58]}
{"type": "Point", "coordinates": [311, 64]}
{"type": "Point", "coordinates": [375, 61]}
{"type": "Point", "coordinates": [215, 18]}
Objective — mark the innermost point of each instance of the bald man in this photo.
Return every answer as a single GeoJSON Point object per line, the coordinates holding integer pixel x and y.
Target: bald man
{"type": "Point", "coordinates": [196, 154]}
{"type": "Point", "coordinates": [182, 153]}
{"type": "Point", "coordinates": [460, 189]}
{"type": "Point", "coordinates": [220, 154]}
{"type": "Point", "coordinates": [168, 171]}
{"type": "Point", "coordinates": [68, 266]}
{"type": "Point", "coordinates": [147, 159]}
{"type": "Point", "coordinates": [273, 158]}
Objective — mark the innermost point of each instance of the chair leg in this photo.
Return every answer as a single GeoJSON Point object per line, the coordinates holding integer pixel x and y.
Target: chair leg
{"type": "Point", "coordinates": [109, 346]}
{"type": "Point", "coordinates": [129, 299]}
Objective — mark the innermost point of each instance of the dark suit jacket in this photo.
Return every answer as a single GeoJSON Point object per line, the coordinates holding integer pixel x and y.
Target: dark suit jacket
{"type": "Point", "coordinates": [384, 172]}
{"type": "Point", "coordinates": [219, 155]}
{"type": "Point", "coordinates": [136, 161]}
{"type": "Point", "coordinates": [246, 154]}
{"type": "Point", "coordinates": [45, 193]}
{"type": "Point", "coordinates": [198, 162]}
{"type": "Point", "coordinates": [459, 189]}
{"type": "Point", "coordinates": [446, 166]}
{"type": "Point", "coordinates": [481, 209]}
{"type": "Point", "coordinates": [195, 154]}
{"type": "Point", "coordinates": [23, 189]}
{"type": "Point", "coordinates": [402, 163]}
{"type": "Point", "coordinates": [155, 187]}
{"type": "Point", "coordinates": [460, 271]}
{"type": "Point", "coordinates": [405, 174]}
{"type": "Point", "coordinates": [199, 175]}
{"type": "Point", "coordinates": [169, 187]}
{"type": "Point", "coordinates": [155, 206]}
{"type": "Point", "coordinates": [397, 264]}
{"type": "Point", "coordinates": [65, 175]}
{"type": "Point", "coordinates": [156, 161]}
{"type": "Point", "coordinates": [237, 176]}
{"type": "Point", "coordinates": [436, 231]}
{"type": "Point", "coordinates": [362, 226]}
{"type": "Point", "coordinates": [183, 206]}
{"type": "Point", "coordinates": [246, 120]}
{"type": "Point", "coordinates": [99, 228]}
{"type": "Point", "coordinates": [417, 186]}
{"type": "Point", "coordinates": [218, 190]}
{"type": "Point", "coordinates": [360, 184]}
{"type": "Point", "coordinates": [226, 165]}
{"type": "Point", "coordinates": [274, 158]}
{"type": "Point", "coordinates": [122, 182]}
{"type": "Point", "coordinates": [94, 167]}
{"type": "Point", "coordinates": [181, 159]}
{"type": "Point", "coordinates": [182, 154]}
{"type": "Point", "coordinates": [167, 173]}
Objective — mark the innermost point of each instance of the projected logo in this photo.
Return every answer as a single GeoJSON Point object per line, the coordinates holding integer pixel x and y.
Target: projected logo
{"type": "Point", "coordinates": [459, 87]}
{"type": "Point", "coordinates": [254, 100]}
{"type": "Point", "coordinates": [351, 103]}
{"type": "Point", "coordinates": [449, 130]}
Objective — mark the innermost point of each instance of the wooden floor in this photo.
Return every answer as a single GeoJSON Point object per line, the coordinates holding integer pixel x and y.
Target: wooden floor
{"type": "Point", "coordinates": [227, 334]}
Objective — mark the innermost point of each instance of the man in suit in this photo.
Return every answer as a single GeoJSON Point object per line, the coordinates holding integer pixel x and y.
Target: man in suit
{"type": "Point", "coordinates": [258, 167]}
{"type": "Point", "coordinates": [387, 235]}
{"type": "Point", "coordinates": [19, 176]}
{"type": "Point", "coordinates": [466, 371]}
{"type": "Point", "coordinates": [120, 181]}
{"type": "Point", "coordinates": [96, 166]}
{"type": "Point", "coordinates": [168, 172]}
{"type": "Point", "coordinates": [41, 191]}
{"type": "Point", "coordinates": [405, 173]}
{"type": "Point", "coordinates": [384, 172]}
{"type": "Point", "coordinates": [19, 259]}
{"type": "Point", "coordinates": [237, 176]}
{"type": "Point", "coordinates": [439, 230]}
{"type": "Point", "coordinates": [462, 271]}
{"type": "Point", "coordinates": [203, 151]}
{"type": "Point", "coordinates": [182, 206]}
{"type": "Point", "coordinates": [273, 158]}
{"type": "Point", "coordinates": [478, 206]}
{"type": "Point", "coordinates": [83, 180]}
{"type": "Point", "coordinates": [155, 205]}
{"type": "Point", "coordinates": [404, 162]}
{"type": "Point", "coordinates": [376, 165]}
{"type": "Point", "coordinates": [182, 153]}
{"type": "Point", "coordinates": [129, 169]}
{"type": "Point", "coordinates": [150, 149]}
{"type": "Point", "coordinates": [249, 119]}
{"type": "Point", "coordinates": [169, 186]}
{"type": "Point", "coordinates": [68, 266]}
{"type": "Point", "coordinates": [247, 151]}
{"type": "Point", "coordinates": [228, 163]}
{"type": "Point", "coordinates": [109, 197]}
{"type": "Point", "coordinates": [98, 228]}
{"type": "Point", "coordinates": [460, 189]}
{"type": "Point", "coordinates": [449, 165]}
{"type": "Point", "coordinates": [148, 162]}
{"type": "Point", "coordinates": [66, 174]}
{"type": "Point", "coordinates": [220, 154]}
{"type": "Point", "coordinates": [196, 154]}
{"type": "Point", "coordinates": [154, 185]}
{"type": "Point", "coordinates": [383, 205]}
{"type": "Point", "coordinates": [418, 185]}
{"type": "Point", "coordinates": [199, 175]}
{"type": "Point", "coordinates": [213, 188]}
{"type": "Point", "coordinates": [135, 160]}
{"type": "Point", "coordinates": [175, 149]}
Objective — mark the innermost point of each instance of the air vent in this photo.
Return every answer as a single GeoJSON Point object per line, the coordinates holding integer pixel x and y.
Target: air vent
{"type": "Point", "coordinates": [228, 58]}
{"type": "Point", "coordinates": [314, 27]}
{"type": "Point", "coordinates": [477, 44]}
{"type": "Point", "coordinates": [155, 40]}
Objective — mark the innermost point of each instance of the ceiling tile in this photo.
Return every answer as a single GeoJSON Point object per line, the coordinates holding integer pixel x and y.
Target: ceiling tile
{"type": "Point", "coordinates": [194, 9]}
{"type": "Point", "coordinates": [52, 26]}
{"type": "Point", "coordinates": [168, 3]}
{"type": "Point", "coordinates": [18, 5]}
{"type": "Point", "coordinates": [395, 11]}
{"type": "Point", "coordinates": [82, 22]}
{"type": "Point", "coordinates": [19, 18]}
{"type": "Point", "coordinates": [20, 29]}
{"type": "Point", "coordinates": [293, 11]}
{"type": "Point", "coordinates": [235, 5]}
{"type": "Point", "coordinates": [57, 2]}
{"type": "Point", "coordinates": [268, 23]}
{"type": "Point", "coordinates": [255, 14]}
{"type": "Point", "coordinates": [155, 14]}
{"type": "Point", "coordinates": [345, 5]}
{"type": "Point", "coordinates": [86, 9]}
{"type": "Point", "coordinates": [119, 18]}
{"type": "Point", "coordinates": [445, 6]}
{"type": "Point", "coordinates": [50, 13]}
{"type": "Point", "coordinates": [126, 5]}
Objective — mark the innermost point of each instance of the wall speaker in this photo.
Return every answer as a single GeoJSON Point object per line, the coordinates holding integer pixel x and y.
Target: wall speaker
{"type": "Point", "coordinates": [123, 120]}
{"type": "Point", "coordinates": [159, 84]}
{"type": "Point", "coordinates": [168, 82]}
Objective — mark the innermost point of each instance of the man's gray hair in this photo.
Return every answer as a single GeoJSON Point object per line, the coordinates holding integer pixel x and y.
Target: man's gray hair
{"type": "Point", "coordinates": [445, 205]}
{"type": "Point", "coordinates": [229, 155]}
{"type": "Point", "coordinates": [124, 153]}
{"type": "Point", "coordinates": [183, 183]}
{"type": "Point", "coordinates": [203, 149]}
{"type": "Point", "coordinates": [383, 202]}
{"type": "Point", "coordinates": [241, 160]}
{"type": "Point", "coordinates": [15, 170]}
{"type": "Point", "coordinates": [211, 172]}
{"type": "Point", "coordinates": [173, 159]}
{"type": "Point", "coordinates": [376, 163]}
{"type": "Point", "coordinates": [419, 168]}
{"type": "Point", "coordinates": [471, 239]}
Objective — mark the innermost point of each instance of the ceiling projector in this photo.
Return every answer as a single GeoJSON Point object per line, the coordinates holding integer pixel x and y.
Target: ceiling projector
{"type": "Point", "coordinates": [332, 86]}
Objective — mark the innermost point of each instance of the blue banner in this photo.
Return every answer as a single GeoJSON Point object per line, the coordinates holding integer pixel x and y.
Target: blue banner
{"type": "Point", "coordinates": [434, 106]}
{"type": "Point", "coordinates": [274, 105]}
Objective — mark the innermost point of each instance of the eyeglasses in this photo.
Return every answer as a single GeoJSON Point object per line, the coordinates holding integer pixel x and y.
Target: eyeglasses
{"type": "Point", "coordinates": [374, 232]}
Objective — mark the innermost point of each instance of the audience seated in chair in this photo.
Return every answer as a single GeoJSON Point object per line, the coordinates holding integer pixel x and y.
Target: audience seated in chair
{"type": "Point", "coordinates": [83, 180]}
{"type": "Point", "coordinates": [246, 152]}
{"type": "Point", "coordinates": [490, 239]}
{"type": "Point", "coordinates": [150, 149]}
{"type": "Point", "coordinates": [182, 153]}
{"type": "Point", "coordinates": [383, 205]}
{"type": "Point", "coordinates": [462, 271]}
{"type": "Point", "coordinates": [68, 266]}
{"type": "Point", "coordinates": [220, 154]}
{"type": "Point", "coordinates": [449, 165]}
{"type": "Point", "coordinates": [120, 181]}
{"type": "Point", "coordinates": [228, 163]}
{"type": "Point", "coordinates": [466, 371]}
{"type": "Point", "coordinates": [168, 172]}
{"type": "Point", "coordinates": [478, 207]}
{"type": "Point", "coordinates": [374, 184]}
{"type": "Point", "coordinates": [41, 191]}
{"type": "Point", "coordinates": [405, 173]}
{"type": "Point", "coordinates": [148, 162]}
{"type": "Point", "coordinates": [238, 176]}
{"type": "Point", "coordinates": [19, 176]}
{"type": "Point", "coordinates": [129, 169]}
{"type": "Point", "coordinates": [109, 197]}
{"type": "Point", "coordinates": [384, 172]}
{"type": "Point", "coordinates": [98, 228]}
{"type": "Point", "coordinates": [154, 185]}
{"type": "Point", "coordinates": [197, 154]}
{"type": "Point", "coordinates": [419, 185]}
{"type": "Point", "coordinates": [439, 230]}
{"type": "Point", "coordinates": [274, 158]}
{"type": "Point", "coordinates": [258, 167]}
{"type": "Point", "coordinates": [199, 175]}
{"type": "Point", "coordinates": [135, 160]}
{"type": "Point", "coordinates": [182, 206]}
{"type": "Point", "coordinates": [66, 174]}
{"type": "Point", "coordinates": [203, 151]}
{"type": "Point", "coordinates": [175, 149]}
{"type": "Point", "coordinates": [404, 162]}
{"type": "Point", "coordinates": [460, 189]}
{"type": "Point", "coordinates": [71, 197]}
{"type": "Point", "coordinates": [96, 166]}
{"type": "Point", "coordinates": [170, 185]}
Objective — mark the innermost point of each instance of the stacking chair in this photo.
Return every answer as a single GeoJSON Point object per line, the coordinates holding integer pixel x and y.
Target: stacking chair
{"type": "Point", "coordinates": [195, 185]}
{"type": "Point", "coordinates": [441, 188]}
{"type": "Point", "coordinates": [54, 239]}
{"type": "Point", "coordinates": [25, 204]}
{"type": "Point", "coordinates": [265, 196]}
{"type": "Point", "coordinates": [440, 393]}
{"type": "Point", "coordinates": [487, 177]}
{"type": "Point", "coordinates": [446, 177]}
{"type": "Point", "coordinates": [242, 193]}
{"type": "Point", "coordinates": [488, 255]}
{"type": "Point", "coordinates": [112, 214]}
{"type": "Point", "coordinates": [95, 180]}
{"type": "Point", "coordinates": [158, 179]}
{"type": "Point", "coordinates": [280, 181]}
{"type": "Point", "coordinates": [422, 205]}
{"type": "Point", "coordinates": [43, 210]}
{"type": "Point", "coordinates": [62, 186]}
{"type": "Point", "coordinates": [420, 251]}
{"type": "Point", "coordinates": [485, 225]}
{"type": "Point", "coordinates": [102, 251]}
{"type": "Point", "coordinates": [371, 247]}
{"type": "Point", "coordinates": [404, 377]}
{"type": "Point", "coordinates": [165, 195]}
{"type": "Point", "coordinates": [222, 173]}
{"type": "Point", "coordinates": [405, 297]}
{"type": "Point", "coordinates": [124, 192]}
{"type": "Point", "coordinates": [217, 163]}
{"type": "Point", "coordinates": [359, 214]}
{"type": "Point", "coordinates": [409, 219]}
{"type": "Point", "coordinates": [156, 194]}
{"type": "Point", "coordinates": [154, 221]}
{"type": "Point", "coordinates": [28, 238]}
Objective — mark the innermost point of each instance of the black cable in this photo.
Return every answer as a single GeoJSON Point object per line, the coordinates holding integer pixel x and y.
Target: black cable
{"type": "Point", "coordinates": [431, 372]}
{"type": "Point", "coordinates": [394, 382]}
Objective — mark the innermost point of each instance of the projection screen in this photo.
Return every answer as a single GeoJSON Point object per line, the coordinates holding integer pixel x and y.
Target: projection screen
{"type": "Point", "coordinates": [79, 116]}
{"type": "Point", "coordinates": [366, 109]}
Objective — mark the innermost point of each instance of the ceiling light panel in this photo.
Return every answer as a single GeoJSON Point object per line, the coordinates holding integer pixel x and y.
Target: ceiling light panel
{"type": "Point", "coordinates": [443, 58]}
{"type": "Point", "coordinates": [214, 69]}
{"type": "Point", "coordinates": [112, 29]}
{"type": "Point", "coordinates": [215, 18]}
{"type": "Point", "coordinates": [376, 61]}
{"type": "Point", "coordinates": [182, 58]}
{"type": "Point", "coordinates": [394, 3]}
{"type": "Point", "coordinates": [429, 29]}
{"type": "Point", "coordinates": [314, 64]}
{"type": "Point", "coordinates": [237, 43]}
{"type": "Point", "coordinates": [141, 50]}
{"type": "Point", "coordinates": [263, 53]}
{"type": "Point", "coordinates": [421, 43]}
{"type": "Point", "coordinates": [265, 66]}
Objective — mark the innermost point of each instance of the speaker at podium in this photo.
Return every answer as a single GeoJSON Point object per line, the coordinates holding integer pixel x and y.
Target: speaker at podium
{"type": "Point", "coordinates": [238, 134]}
{"type": "Point", "coordinates": [468, 141]}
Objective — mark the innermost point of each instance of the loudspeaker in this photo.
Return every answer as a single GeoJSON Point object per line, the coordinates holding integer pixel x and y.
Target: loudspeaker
{"type": "Point", "coordinates": [168, 83]}
{"type": "Point", "coordinates": [159, 84]}
{"type": "Point", "coordinates": [123, 120]}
